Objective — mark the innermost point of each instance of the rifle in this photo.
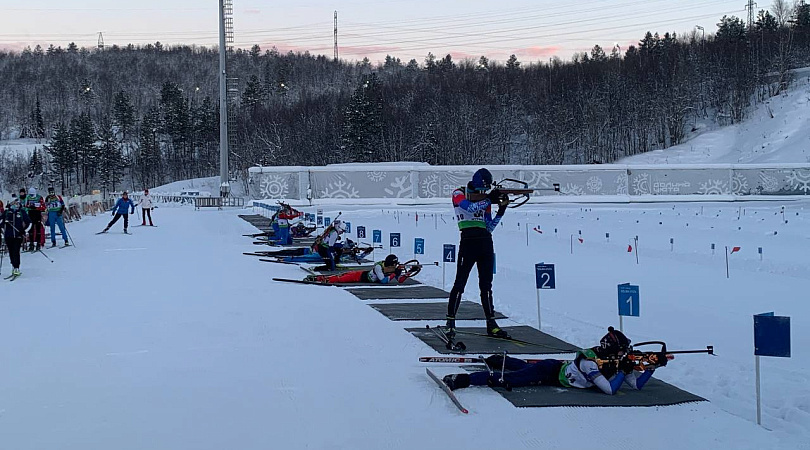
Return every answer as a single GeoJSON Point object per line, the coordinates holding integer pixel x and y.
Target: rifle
{"type": "Point", "coordinates": [643, 359]}
{"type": "Point", "coordinates": [411, 268]}
{"type": "Point", "coordinates": [518, 192]}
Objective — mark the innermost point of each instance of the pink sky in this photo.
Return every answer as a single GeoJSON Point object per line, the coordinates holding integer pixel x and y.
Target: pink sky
{"type": "Point", "coordinates": [531, 29]}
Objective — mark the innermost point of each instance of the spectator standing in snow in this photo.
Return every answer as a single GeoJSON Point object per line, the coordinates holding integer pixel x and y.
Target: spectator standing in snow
{"type": "Point", "coordinates": [122, 208]}
{"type": "Point", "coordinates": [146, 207]}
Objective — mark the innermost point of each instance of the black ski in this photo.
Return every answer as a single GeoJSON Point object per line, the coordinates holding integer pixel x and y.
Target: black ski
{"type": "Point", "coordinates": [278, 262]}
{"type": "Point", "coordinates": [447, 391]}
{"type": "Point", "coordinates": [287, 280]}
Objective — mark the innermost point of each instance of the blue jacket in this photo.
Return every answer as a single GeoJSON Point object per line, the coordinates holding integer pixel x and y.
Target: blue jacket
{"type": "Point", "coordinates": [123, 206]}
{"type": "Point", "coordinates": [14, 221]}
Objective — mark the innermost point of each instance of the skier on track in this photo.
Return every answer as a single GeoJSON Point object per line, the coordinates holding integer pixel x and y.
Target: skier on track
{"type": "Point", "coordinates": [583, 372]}
{"type": "Point", "coordinates": [13, 224]}
{"type": "Point", "coordinates": [328, 247]}
{"type": "Point", "coordinates": [56, 206]}
{"type": "Point", "coordinates": [34, 205]}
{"type": "Point", "coordinates": [146, 207]}
{"type": "Point", "coordinates": [383, 272]}
{"type": "Point", "coordinates": [473, 209]}
{"type": "Point", "coordinates": [122, 208]}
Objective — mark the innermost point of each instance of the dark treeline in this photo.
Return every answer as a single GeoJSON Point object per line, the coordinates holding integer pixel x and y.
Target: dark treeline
{"type": "Point", "coordinates": [151, 113]}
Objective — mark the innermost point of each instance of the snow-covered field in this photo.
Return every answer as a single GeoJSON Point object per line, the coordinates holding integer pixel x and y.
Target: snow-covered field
{"type": "Point", "coordinates": [171, 339]}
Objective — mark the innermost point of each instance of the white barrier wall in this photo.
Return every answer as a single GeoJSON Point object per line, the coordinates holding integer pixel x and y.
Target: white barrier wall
{"type": "Point", "coordinates": [605, 182]}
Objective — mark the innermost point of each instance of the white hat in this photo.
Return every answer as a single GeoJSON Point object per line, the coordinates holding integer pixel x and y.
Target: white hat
{"type": "Point", "coordinates": [32, 191]}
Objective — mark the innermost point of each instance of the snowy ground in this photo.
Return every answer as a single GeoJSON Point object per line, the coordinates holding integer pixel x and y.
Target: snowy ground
{"type": "Point", "coordinates": [172, 339]}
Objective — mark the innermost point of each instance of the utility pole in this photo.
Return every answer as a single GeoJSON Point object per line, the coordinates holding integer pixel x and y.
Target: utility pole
{"type": "Point", "coordinates": [336, 45]}
{"type": "Point", "coordinates": [225, 25]}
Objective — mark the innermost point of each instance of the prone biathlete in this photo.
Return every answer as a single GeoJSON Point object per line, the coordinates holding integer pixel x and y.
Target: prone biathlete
{"type": "Point", "coordinates": [473, 210]}
{"type": "Point", "coordinates": [383, 272]}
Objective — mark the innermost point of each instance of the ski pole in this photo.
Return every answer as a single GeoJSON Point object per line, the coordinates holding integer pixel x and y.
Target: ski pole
{"type": "Point", "coordinates": [70, 238]}
{"type": "Point", "coordinates": [503, 366]}
{"type": "Point", "coordinates": [43, 254]}
{"type": "Point", "coordinates": [2, 256]}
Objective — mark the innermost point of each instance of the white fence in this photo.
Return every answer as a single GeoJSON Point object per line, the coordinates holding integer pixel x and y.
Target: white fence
{"type": "Point", "coordinates": [422, 183]}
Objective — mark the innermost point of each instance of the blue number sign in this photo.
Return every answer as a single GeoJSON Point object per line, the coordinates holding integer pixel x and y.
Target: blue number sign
{"type": "Point", "coordinates": [348, 227]}
{"type": "Point", "coordinates": [449, 253]}
{"type": "Point", "coordinates": [394, 239]}
{"type": "Point", "coordinates": [327, 221]}
{"type": "Point", "coordinates": [377, 236]}
{"type": "Point", "coordinates": [771, 335]}
{"type": "Point", "coordinates": [361, 232]}
{"type": "Point", "coordinates": [628, 300]}
{"type": "Point", "coordinates": [418, 246]}
{"type": "Point", "coordinates": [544, 276]}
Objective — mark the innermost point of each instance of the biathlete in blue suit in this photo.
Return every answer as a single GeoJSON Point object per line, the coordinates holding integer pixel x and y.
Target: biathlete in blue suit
{"type": "Point", "coordinates": [56, 206]}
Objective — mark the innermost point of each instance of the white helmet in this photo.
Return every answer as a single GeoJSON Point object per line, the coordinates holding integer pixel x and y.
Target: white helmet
{"type": "Point", "coordinates": [340, 226]}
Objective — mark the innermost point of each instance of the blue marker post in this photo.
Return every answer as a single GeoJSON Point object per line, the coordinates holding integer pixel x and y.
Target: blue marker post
{"type": "Point", "coordinates": [771, 338]}
{"type": "Point", "coordinates": [628, 303]}
{"type": "Point", "coordinates": [348, 227]}
{"type": "Point", "coordinates": [448, 255]}
{"type": "Point", "coordinates": [394, 241]}
{"type": "Point", "coordinates": [544, 279]}
{"type": "Point", "coordinates": [376, 238]}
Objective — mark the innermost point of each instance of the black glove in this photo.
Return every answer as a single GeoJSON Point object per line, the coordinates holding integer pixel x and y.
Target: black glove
{"type": "Point", "coordinates": [661, 359]}
{"type": "Point", "coordinates": [626, 365]}
{"type": "Point", "coordinates": [494, 196]}
{"type": "Point", "coordinates": [398, 272]}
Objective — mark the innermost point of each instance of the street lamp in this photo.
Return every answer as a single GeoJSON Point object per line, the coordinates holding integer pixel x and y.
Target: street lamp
{"type": "Point", "coordinates": [703, 38]}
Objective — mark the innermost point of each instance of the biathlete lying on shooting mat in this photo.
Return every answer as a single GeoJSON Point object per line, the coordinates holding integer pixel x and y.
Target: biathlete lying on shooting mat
{"type": "Point", "coordinates": [383, 272]}
{"type": "Point", "coordinates": [606, 366]}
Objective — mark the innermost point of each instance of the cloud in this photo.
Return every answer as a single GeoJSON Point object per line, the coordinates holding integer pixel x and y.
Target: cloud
{"type": "Point", "coordinates": [538, 51]}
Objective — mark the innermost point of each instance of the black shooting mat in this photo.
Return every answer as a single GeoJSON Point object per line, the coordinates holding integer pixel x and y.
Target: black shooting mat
{"type": "Point", "coordinates": [654, 393]}
{"type": "Point", "coordinates": [408, 282]}
{"type": "Point", "coordinates": [431, 311]}
{"type": "Point", "coordinates": [541, 343]}
{"type": "Point", "coordinates": [399, 293]}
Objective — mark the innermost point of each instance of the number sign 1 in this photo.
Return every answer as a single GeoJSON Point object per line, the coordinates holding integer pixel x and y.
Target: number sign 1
{"type": "Point", "coordinates": [628, 300]}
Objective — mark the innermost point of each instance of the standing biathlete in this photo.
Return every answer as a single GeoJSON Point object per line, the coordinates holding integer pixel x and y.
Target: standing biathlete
{"type": "Point", "coordinates": [56, 206]}
{"type": "Point", "coordinates": [285, 215]}
{"type": "Point", "coordinates": [13, 224]}
{"type": "Point", "coordinates": [34, 205]}
{"type": "Point", "coordinates": [473, 211]}
{"type": "Point", "coordinates": [122, 208]}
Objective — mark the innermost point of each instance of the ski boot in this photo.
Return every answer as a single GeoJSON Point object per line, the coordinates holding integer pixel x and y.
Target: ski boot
{"type": "Point", "coordinates": [457, 381]}
{"type": "Point", "coordinates": [315, 278]}
{"type": "Point", "coordinates": [450, 327]}
{"type": "Point", "coordinates": [53, 244]}
{"type": "Point", "coordinates": [38, 248]}
{"type": "Point", "coordinates": [16, 272]}
{"type": "Point", "coordinates": [495, 331]}
{"type": "Point", "coordinates": [67, 244]}
{"type": "Point", "coordinates": [125, 231]}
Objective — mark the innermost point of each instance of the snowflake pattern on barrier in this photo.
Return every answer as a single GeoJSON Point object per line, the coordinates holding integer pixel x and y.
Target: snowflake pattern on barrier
{"type": "Point", "coordinates": [714, 187]}
{"type": "Point", "coordinates": [274, 186]}
{"type": "Point", "coordinates": [641, 184]}
{"type": "Point", "coordinates": [594, 184]}
{"type": "Point", "coordinates": [538, 179]}
{"type": "Point", "coordinates": [769, 183]}
{"type": "Point", "coordinates": [799, 181]}
{"type": "Point", "coordinates": [430, 186]}
{"type": "Point", "coordinates": [621, 184]}
{"type": "Point", "coordinates": [376, 176]}
{"type": "Point", "coordinates": [400, 188]}
{"type": "Point", "coordinates": [739, 184]}
{"type": "Point", "coordinates": [340, 189]}
{"type": "Point", "coordinates": [572, 189]}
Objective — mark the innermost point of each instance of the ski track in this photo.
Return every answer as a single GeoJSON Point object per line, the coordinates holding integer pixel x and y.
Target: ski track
{"type": "Point", "coordinates": [188, 344]}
